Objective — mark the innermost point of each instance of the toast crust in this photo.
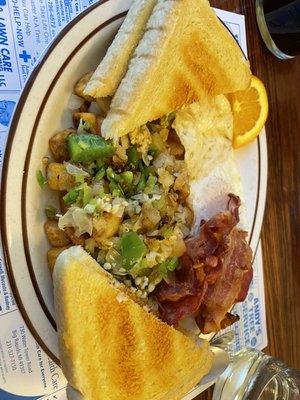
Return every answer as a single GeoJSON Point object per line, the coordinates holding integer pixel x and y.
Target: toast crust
{"type": "Point", "coordinates": [108, 75]}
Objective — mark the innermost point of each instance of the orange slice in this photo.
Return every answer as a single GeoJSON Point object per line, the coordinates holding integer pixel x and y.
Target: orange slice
{"type": "Point", "coordinates": [250, 111]}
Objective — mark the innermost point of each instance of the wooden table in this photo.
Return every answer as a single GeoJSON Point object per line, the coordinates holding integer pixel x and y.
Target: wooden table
{"type": "Point", "coordinates": [281, 228]}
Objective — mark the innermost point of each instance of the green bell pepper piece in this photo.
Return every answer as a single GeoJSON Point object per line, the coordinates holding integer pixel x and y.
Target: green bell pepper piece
{"type": "Point", "coordinates": [86, 194]}
{"type": "Point", "coordinates": [51, 212]}
{"type": "Point", "coordinates": [167, 266]}
{"type": "Point", "coordinates": [42, 181]}
{"type": "Point", "coordinates": [132, 249]}
{"type": "Point", "coordinates": [133, 157]}
{"type": "Point", "coordinates": [99, 175]}
{"type": "Point", "coordinates": [86, 147]}
{"type": "Point", "coordinates": [116, 189]}
{"type": "Point", "coordinates": [152, 151]}
{"type": "Point", "coordinates": [142, 183]}
{"type": "Point", "coordinates": [126, 178]}
{"type": "Point", "coordinates": [151, 181]}
{"type": "Point", "coordinates": [112, 175]}
{"type": "Point", "coordinates": [171, 263]}
{"type": "Point", "coordinates": [71, 196]}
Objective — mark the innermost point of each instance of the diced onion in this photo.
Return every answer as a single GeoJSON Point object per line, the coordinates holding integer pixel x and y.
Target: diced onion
{"type": "Point", "coordinates": [74, 170]}
{"type": "Point", "coordinates": [78, 219]}
{"type": "Point", "coordinates": [75, 102]}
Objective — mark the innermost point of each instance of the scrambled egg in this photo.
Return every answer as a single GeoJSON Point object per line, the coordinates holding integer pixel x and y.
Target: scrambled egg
{"type": "Point", "coordinates": [141, 137]}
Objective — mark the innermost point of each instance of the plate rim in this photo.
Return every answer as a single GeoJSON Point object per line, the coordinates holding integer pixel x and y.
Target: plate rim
{"type": "Point", "coordinates": [6, 161]}
{"type": "Point", "coordinates": [6, 165]}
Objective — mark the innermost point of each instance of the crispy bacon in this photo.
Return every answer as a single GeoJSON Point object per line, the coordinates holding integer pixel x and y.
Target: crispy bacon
{"type": "Point", "coordinates": [184, 284]}
{"type": "Point", "coordinates": [183, 296]}
{"type": "Point", "coordinates": [215, 273]}
{"type": "Point", "coordinates": [213, 233]}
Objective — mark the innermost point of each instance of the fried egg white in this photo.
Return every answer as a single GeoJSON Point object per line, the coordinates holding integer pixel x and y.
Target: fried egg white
{"type": "Point", "coordinates": [205, 130]}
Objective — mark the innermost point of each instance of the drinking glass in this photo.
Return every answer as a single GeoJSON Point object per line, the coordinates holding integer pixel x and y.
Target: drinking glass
{"type": "Point", "coordinates": [252, 375]}
{"type": "Point", "coordinates": [279, 25]}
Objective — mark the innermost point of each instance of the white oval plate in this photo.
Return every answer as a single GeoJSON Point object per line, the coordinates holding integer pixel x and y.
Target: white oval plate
{"type": "Point", "coordinates": [41, 111]}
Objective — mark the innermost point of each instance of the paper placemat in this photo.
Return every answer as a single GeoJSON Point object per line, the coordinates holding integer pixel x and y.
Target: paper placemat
{"type": "Point", "coordinates": [26, 29]}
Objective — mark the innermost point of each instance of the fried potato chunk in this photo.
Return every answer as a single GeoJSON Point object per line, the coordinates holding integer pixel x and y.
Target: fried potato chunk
{"type": "Point", "coordinates": [58, 177]}
{"type": "Point", "coordinates": [105, 227]}
{"type": "Point", "coordinates": [81, 84]}
{"type": "Point", "coordinates": [56, 236]}
{"type": "Point", "coordinates": [77, 240]}
{"type": "Point", "coordinates": [94, 121]}
{"type": "Point", "coordinates": [59, 146]}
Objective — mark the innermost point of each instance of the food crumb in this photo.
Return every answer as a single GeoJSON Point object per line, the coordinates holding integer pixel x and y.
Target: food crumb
{"type": "Point", "coordinates": [121, 297]}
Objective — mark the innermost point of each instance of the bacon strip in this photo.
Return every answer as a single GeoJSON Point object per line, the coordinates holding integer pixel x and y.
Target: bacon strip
{"type": "Point", "coordinates": [215, 273]}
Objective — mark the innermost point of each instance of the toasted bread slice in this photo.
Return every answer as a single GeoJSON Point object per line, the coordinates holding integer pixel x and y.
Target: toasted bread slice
{"type": "Point", "coordinates": [113, 67]}
{"type": "Point", "coordinates": [185, 54]}
{"type": "Point", "coordinates": [113, 348]}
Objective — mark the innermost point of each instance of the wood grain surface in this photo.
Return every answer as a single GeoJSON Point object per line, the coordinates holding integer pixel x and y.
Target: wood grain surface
{"type": "Point", "coordinates": [281, 228]}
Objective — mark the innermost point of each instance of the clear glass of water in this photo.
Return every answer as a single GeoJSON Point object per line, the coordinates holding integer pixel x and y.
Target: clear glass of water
{"type": "Point", "coordinates": [252, 375]}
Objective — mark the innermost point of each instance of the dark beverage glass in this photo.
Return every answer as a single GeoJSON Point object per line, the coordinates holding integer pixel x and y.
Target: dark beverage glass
{"type": "Point", "coordinates": [279, 25]}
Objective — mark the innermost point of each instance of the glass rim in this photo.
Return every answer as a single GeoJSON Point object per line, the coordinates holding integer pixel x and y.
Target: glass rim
{"type": "Point", "coordinates": [263, 28]}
